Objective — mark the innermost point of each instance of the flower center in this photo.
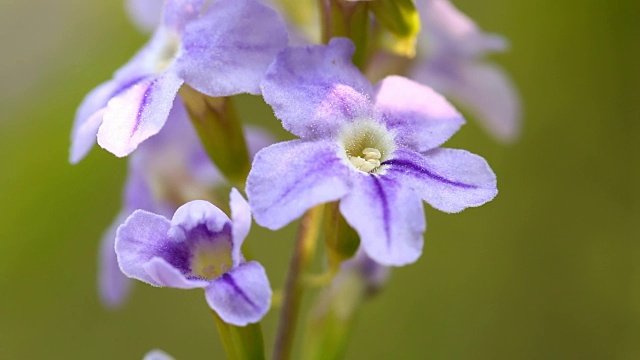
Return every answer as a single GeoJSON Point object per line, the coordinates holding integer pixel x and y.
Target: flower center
{"type": "Point", "coordinates": [210, 259]}
{"type": "Point", "coordinates": [166, 51]}
{"type": "Point", "coordinates": [366, 144]}
{"type": "Point", "coordinates": [369, 162]}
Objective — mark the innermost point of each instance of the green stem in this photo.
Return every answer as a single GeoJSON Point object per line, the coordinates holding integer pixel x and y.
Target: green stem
{"type": "Point", "coordinates": [241, 343]}
{"type": "Point", "coordinates": [345, 19]}
{"type": "Point", "coordinates": [300, 259]}
{"type": "Point", "coordinates": [221, 133]}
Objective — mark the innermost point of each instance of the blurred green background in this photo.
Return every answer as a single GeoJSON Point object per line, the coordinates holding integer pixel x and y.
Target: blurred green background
{"type": "Point", "coordinates": [549, 270]}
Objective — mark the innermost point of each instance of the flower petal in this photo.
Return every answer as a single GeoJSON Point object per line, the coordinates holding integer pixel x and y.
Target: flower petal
{"type": "Point", "coordinates": [422, 118]}
{"type": "Point", "coordinates": [451, 31]}
{"type": "Point", "coordinates": [241, 223]}
{"type": "Point", "coordinates": [228, 49]}
{"type": "Point", "coordinates": [257, 139]}
{"type": "Point", "coordinates": [450, 180]}
{"type": "Point", "coordinates": [288, 178]}
{"type": "Point", "coordinates": [157, 354]}
{"type": "Point", "coordinates": [389, 218]}
{"type": "Point", "coordinates": [177, 13]}
{"type": "Point", "coordinates": [89, 116]}
{"type": "Point", "coordinates": [145, 14]}
{"type": "Point", "coordinates": [142, 239]}
{"type": "Point", "coordinates": [137, 114]}
{"type": "Point", "coordinates": [165, 274]}
{"type": "Point", "coordinates": [315, 89]}
{"type": "Point", "coordinates": [487, 92]}
{"type": "Point", "coordinates": [113, 285]}
{"type": "Point", "coordinates": [241, 296]}
{"type": "Point", "coordinates": [195, 214]}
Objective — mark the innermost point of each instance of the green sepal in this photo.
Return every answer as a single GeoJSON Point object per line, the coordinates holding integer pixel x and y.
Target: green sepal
{"type": "Point", "coordinates": [241, 342]}
{"type": "Point", "coordinates": [341, 240]}
{"type": "Point", "coordinates": [401, 24]}
{"type": "Point", "coordinates": [332, 318]}
{"type": "Point", "coordinates": [220, 131]}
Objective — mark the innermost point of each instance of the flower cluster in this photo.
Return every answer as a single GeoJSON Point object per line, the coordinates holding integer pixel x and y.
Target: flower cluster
{"type": "Point", "coordinates": [370, 151]}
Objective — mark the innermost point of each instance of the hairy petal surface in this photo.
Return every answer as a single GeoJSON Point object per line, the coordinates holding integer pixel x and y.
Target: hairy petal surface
{"type": "Point", "coordinates": [165, 274]}
{"type": "Point", "coordinates": [421, 118]}
{"type": "Point", "coordinates": [89, 118]}
{"type": "Point", "coordinates": [228, 49]}
{"type": "Point", "coordinates": [195, 214]}
{"type": "Point", "coordinates": [388, 217]}
{"type": "Point", "coordinates": [288, 178]}
{"type": "Point", "coordinates": [241, 296]}
{"type": "Point", "coordinates": [146, 253]}
{"type": "Point", "coordinates": [316, 89]}
{"type": "Point", "coordinates": [137, 114]}
{"type": "Point", "coordinates": [177, 13]}
{"type": "Point", "coordinates": [450, 180]}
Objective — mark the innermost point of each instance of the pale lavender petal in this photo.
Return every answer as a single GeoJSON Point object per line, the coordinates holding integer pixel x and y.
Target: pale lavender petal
{"type": "Point", "coordinates": [241, 223]}
{"type": "Point", "coordinates": [143, 238]}
{"type": "Point", "coordinates": [137, 114]}
{"type": "Point", "coordinates": [157, 354]}
{"type": "Point", "coordinates": [241, 296]}
{"type": "Point", "coordinates": [373, 275]}
{"type": "Point", "coordinates": [89, 117]}
{"type": "Point", "coordinates": [421, 118]}
{"type": "Point", "coordinates": [172, 161]}
{"type": "Point", "coordinates": [389, 218]}
{"type": "Point", "coordinates": [84, 136]}
{"type": "Point", "coordinates": [228, 49]}
{"type": "Point", "coordinates": [485, 90]}
{"type": "Point", "coordinates": [147, 61]}
{"type": "Point", "coordinates": [165, 274]}
{"type": "Point", "coordinates": [316, 89]}
{"type": "Point", "coordinates": [450, 180]}
{"type": "Point", "coordinates": [177, 13]}
{"type": "Point", "coordinates": [113, 286]}
{"type": "Point", "coordinates": [450, 31]}
{"type": "Point", "coordinates": [145, 14]}
{"type": "Point", "coordinates": [288, 178]}
{"type": "Point", "coordinates": [138, 193]}
{"type": "Point", "coordinates": [194, 215]}
{"type": "Point", "coordinates": [257, 138]}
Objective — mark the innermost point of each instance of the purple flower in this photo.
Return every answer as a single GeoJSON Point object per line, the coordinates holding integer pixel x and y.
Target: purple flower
{"type": "Point", "coordinates": [454, 66]}
{"type": "Point", "coordinates": [157, 355]}
{"type": "Point", "coordinates": [222, 49]}
{"type": "Point", "coordinates": [145, 14]}
{"type": "Point", "coordinates": [166, 171]}
{"type": "Point", "coordinates": [374, 149]}
{"type": "Point", "coordinates": [198, 248]}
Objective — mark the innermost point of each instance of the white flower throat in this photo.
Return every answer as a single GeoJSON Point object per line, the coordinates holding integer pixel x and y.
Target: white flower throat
{"type": "Point", "coordinates": [369, 162]}
{"type": "Point", "coordinates": [366, 144]}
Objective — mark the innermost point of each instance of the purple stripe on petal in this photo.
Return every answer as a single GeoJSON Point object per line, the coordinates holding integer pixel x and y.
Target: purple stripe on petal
{"type": "Point", "coordinates": [138, 113]}
{"type": "Point", "coordinates": [448, 179]}
{"type": "Point", "coordinates": [388, 217]}
{"type": "Point", "coordinates": [124, 86]}
{"type": "Point", "coordinates": [288, 178]}
{"type": "Point", "coordinates": [385, 208]}
{"type": "Point", "coordinates": [242, 295]}
{"type": "Point", "coordinates": [228, 279]}
{"type": "Point", "coordinates": [408, 165]}
{"type": "Point", "coordinates": [143, 104]}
